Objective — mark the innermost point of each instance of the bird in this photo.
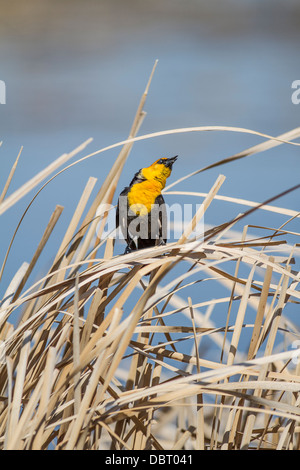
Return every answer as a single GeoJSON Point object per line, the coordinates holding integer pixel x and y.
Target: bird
{"type": "Point", "coordinates": [141, 212]}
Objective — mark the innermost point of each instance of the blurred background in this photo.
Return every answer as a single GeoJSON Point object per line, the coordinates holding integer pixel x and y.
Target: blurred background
{"type": "Point", "coordinates": [77, 69]}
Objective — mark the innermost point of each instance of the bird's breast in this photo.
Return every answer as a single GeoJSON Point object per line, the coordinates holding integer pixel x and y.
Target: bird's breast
{"type": "Point", "coordinates": [142, 195]}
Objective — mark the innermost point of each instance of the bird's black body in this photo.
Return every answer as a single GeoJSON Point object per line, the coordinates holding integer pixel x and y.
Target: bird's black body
{"type": "Point", "coordinates": [156, 220]}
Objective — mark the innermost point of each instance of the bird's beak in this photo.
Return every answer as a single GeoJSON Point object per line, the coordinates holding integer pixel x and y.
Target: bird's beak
{"type": "Point", "coordinates": [170, 161]}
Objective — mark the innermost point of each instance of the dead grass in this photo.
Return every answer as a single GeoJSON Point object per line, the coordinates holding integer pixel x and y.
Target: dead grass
{"type": "Point", "coordinates": [105, 357]}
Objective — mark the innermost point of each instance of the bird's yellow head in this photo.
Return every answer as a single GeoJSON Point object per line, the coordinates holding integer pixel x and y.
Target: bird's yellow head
{"type": "Point", "coordinates": [160, 170]}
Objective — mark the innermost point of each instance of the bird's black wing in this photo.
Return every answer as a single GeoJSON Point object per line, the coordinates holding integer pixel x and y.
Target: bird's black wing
{"type": "Point", "coordinates": [122, 211]}
{"type": "Point", "coordinates": [162, 219]}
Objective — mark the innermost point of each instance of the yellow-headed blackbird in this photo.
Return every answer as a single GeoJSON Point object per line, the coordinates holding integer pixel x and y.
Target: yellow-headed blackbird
{"type": "Point", "coordinates": [141, 211]}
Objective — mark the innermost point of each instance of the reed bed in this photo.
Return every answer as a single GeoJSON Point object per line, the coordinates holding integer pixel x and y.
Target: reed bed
{"type": "Point", "coordinates": [125, 352]}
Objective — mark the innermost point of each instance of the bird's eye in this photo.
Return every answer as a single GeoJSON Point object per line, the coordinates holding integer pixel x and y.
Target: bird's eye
{"type": "Point", "coordinates": [160, 161]}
